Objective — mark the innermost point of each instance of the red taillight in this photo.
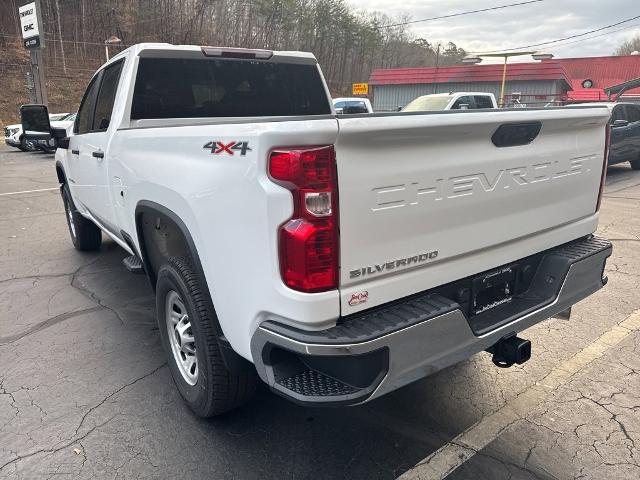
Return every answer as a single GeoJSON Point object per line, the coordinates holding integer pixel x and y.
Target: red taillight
{"type": "Point", "coordinates": [605, 163]}
{"type": "Point", "coordinates": [308, 242]}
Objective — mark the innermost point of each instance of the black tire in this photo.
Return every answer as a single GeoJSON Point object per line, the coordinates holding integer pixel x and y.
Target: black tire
{"type": "Point", "coordinates": [26, 146]}
{"type": "Point", "coordinates": [85, 235]}
{"type": "Point", "coordinates": [635, 164]}
{"type": "Point", "coordinates": [216, 389]}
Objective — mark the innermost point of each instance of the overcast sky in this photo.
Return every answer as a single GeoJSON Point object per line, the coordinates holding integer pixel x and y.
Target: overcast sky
{"type": "Point", "coordinates": [517, 26]}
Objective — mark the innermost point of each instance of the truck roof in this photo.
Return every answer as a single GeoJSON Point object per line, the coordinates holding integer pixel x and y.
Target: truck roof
{"type": "Point", "coordinates": [168, 50]}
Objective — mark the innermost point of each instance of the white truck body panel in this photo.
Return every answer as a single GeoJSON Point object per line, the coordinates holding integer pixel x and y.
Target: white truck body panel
{"type": "Point", "coordinates": [232, 210]}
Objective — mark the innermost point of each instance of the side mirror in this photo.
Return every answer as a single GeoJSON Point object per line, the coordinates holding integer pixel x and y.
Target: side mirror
{"type": "Point", "coordinates": [620, 123]}
{"type": "Point", "coordinates": [35, 122]}
{"type": "Point", "coordinates": [399, 109]}
{"type": "Point", "coordinates": [60, 137]}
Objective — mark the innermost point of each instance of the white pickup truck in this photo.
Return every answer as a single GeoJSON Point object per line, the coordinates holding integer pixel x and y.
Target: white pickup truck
{"type": "Point", "coordinates": [335, 258]}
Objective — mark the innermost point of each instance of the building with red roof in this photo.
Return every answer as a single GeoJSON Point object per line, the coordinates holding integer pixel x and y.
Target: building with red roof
{"type": "Point", "coordinates": [550, 82]}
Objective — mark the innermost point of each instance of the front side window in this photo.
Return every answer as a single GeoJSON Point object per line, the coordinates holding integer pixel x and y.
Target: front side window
{"type": "Point", "coordinates": [618, 113]}
{"type": "Point", "coordinates": [461, 102]}
{"type": "Point", "coordinates": [633, 113]}
{"type": "Point", "coordinates": [193, 88]}
{"type": "Point", "coordinates": [84, 120]}
{"type": "Point", "coordinates": [107, 96]}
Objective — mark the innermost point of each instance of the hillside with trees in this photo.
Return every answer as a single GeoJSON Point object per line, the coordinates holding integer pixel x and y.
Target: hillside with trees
{"type": "Point", "coordinates": [347, 44]}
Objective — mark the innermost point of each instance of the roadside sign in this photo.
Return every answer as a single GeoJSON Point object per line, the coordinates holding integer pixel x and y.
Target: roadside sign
{"type": "Point", "coordinates": [29, 21]}
{"type": "Point", "coordinates": [360, 89]}
{"type": "Point", "coordinates": [33, 42]}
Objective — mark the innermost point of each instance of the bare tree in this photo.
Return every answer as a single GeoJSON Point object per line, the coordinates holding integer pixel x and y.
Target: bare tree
{"type": "Point", "coordinates": [628, 47]}
{"type": "Point", "coordinates": [64, 63]}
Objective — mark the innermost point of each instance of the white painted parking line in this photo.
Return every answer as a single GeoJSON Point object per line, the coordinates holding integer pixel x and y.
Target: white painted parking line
{"type": "Point", "coordinates": [452, 455]}
{"type": "Point", "coordinates": [30, 191]}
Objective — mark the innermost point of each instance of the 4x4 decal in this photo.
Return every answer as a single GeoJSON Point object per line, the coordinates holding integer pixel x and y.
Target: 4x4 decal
{"type": "Point", "coordinates": [220, 147]}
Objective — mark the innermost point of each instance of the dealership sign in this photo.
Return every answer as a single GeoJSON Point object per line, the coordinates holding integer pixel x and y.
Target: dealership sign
{"type": "Point", "coordinates": [360, 89]}
{"type": "Point", "coordinates": [29, 25]}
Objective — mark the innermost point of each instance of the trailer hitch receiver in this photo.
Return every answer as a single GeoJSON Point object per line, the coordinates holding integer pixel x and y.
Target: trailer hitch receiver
{"type": "Point", "coordinates": [509, 350]}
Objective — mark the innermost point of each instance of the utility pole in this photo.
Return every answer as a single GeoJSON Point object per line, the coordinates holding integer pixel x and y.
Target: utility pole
{"type": "Point", "coordinates": [30, 23]}
{"type": "Point", "coordinates": [39, 77]}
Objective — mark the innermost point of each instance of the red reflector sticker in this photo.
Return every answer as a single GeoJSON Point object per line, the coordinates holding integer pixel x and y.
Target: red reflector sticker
{"type": "Point", "coordinates": [358, 298]}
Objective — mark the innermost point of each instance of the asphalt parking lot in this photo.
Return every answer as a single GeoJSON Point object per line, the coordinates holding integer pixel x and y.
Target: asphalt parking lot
{"type": "Point", "coordinates": [85, 391]}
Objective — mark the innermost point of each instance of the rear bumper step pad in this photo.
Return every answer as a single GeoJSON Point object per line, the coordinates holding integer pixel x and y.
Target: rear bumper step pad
{"type": "Point", "coordinates": [377, 351]}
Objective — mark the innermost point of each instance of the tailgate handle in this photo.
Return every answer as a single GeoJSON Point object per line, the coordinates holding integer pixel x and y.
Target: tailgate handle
{"type": "Point", "coordinates": [516, 134]}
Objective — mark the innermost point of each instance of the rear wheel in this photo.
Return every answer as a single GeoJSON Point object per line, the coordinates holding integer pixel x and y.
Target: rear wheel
{"type": "Point", "coordinates": [190, 342]}
{"type": "Point", "coordinates": [85, 235]}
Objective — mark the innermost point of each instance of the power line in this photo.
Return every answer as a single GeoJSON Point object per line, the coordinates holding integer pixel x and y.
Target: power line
{"type": "Point", "coordinates": [555, 47]}
{"type": "Point", "coordinates": [560, 39]}
{"type": "Point", "coordinates": [451, 15]}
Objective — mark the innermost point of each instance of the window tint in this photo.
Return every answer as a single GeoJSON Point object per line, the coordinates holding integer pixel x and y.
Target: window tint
{"type": "Point", "coordinates": [618, 113]}
{"type": "Point", "coordinates": [107, 96]}
{"type": "Point", "coordinates": [462, 101]}
{"type": "Point", "coordinates": [182, 88]}
{"type": "Point", "coordinates": [633, 113]}
{"type": "Point", "coordinates": [355, 106]}
{"type": "Point", "coordinates": [84, 120]}
{"type": "Point", "coordinates": [483, 101]}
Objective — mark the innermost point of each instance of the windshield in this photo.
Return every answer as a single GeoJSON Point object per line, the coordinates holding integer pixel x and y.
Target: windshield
{"type": "Point", "coordinates": [71, 117]}
{"type": "Point", "coordinates": [427, 103]}
{"type": "Point", "coordinates": [57, 116]}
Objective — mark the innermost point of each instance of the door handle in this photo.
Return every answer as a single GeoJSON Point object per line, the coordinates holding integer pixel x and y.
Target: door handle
{"type": "Point", "coordinates": [98, 154]}
{"type": "Point", "coordinates": [75, 152]}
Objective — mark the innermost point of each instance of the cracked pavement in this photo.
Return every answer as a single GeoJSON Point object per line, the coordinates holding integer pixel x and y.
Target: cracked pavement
{"type": "Point", "coordinates": [85, 392]}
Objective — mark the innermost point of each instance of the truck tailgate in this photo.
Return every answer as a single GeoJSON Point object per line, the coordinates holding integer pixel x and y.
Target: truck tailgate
{"type": "Point", "coordinates": [427, 199]}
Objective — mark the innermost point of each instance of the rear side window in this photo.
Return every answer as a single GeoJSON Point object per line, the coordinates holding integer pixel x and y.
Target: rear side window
{"type": "Point", "coordinates": [482, 101]}
{"type": "Point", "coordinates": [107, 96]}
{"type": "Point", "coordinates": [191, 88]}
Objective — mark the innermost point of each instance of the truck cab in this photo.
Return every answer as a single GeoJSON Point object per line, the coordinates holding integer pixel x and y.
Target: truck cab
{"type": "Point", "coordinates": [452, 101]}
